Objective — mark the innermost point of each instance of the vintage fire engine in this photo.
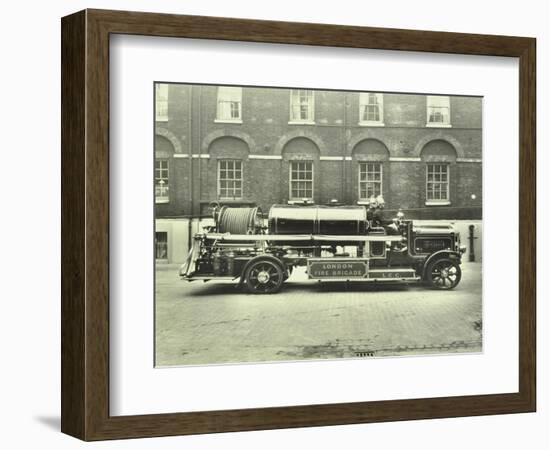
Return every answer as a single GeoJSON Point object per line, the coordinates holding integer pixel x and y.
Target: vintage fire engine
{"type": "Point", "coordinates": [338, 243]}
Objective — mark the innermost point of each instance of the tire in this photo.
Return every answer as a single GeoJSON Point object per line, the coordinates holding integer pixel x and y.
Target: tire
{"type": "Point", "coordinates": [264, 277]}
{"type": "Point", "coordinates": [443, 273]}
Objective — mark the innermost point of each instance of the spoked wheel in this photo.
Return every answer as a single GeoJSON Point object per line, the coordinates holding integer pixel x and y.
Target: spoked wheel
{"type": "Point", "coordinates": [264, 277]}
{"type": "Point", "coordinates": [443, 274]}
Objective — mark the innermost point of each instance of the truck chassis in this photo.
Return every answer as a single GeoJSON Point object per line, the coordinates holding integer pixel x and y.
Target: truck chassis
{"type": "Point", "coordinates": [262, 262]}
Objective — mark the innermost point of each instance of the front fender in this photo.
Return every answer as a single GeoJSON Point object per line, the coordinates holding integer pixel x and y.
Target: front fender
{"type": "Point", "coordinates": [440, 254]}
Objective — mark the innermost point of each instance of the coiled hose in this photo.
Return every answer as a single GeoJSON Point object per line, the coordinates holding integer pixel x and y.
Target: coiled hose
{"type": "Point", "coordinates": [239, 220]}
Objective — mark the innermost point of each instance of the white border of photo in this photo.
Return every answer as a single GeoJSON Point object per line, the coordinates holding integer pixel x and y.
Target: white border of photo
{"type": "Point", "coordinates": [137, 387]}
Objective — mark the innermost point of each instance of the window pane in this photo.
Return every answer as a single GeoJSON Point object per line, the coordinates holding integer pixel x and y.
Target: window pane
{"type": "Point", "coordinates": [230, 93]}
{"type": "Point", "coordinates": [230, 179]}
{"type": "Point", "coordinates": [301, 179]}
{"type": "Point", "coordinates": [437, 182]}
{"type": "Point", "coordinates": [370, 107]}
{"type": "Point", "coordinates": [438, 109]}
{"type": "Point", "coordinates": [438, 100]}
{"type": "Point", "coordinates": [161, 101]}
{"type": "Point", "coordinates": [301, 105]}
{"type": "Point", "coordinates": [229, 103]}
{"type": "Point", "coordinates": [370, 180]}
{"type": "Point", "coordinates": [161, 245]}
{"type": "Point", "coordinates": [161, 180]}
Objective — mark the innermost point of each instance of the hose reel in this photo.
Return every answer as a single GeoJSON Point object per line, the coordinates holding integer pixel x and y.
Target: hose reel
{"type": "Point", "coordinates": [239, 220]}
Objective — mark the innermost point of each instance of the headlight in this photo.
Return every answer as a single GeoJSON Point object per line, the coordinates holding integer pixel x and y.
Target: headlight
{"type": "Point", "coordinates": [462, 249]}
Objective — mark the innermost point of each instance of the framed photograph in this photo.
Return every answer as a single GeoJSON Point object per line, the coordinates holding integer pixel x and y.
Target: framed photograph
{"type": "Point", "coordinates": [273, 225]}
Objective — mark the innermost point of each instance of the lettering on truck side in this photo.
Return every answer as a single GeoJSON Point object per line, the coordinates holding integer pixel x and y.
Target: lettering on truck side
{"type": "Point", "coordinates": [342, 266]}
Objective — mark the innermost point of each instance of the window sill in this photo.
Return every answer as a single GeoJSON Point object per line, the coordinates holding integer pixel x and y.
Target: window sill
{"type": "Point", "coordinates": [305, 122]}
{"type": "Point", "coordinates": [308, 201]}
{"type": "Point", "coordinates": [161, 119]}
{"type": "Point", "coordinates": [230, 201]}
{"type": "Point", "coordinates": [162, 200]}
{"type": "Point", "coordinates": [438, 125]}
{"type": "Point", "coordinates": [371, 124]}
{"type": "Point", "coordinates": [438, 203]}
{"type": "Point", "coordinates": [363, 202]}
{"type": "Point", "coordinates": [235, 121]}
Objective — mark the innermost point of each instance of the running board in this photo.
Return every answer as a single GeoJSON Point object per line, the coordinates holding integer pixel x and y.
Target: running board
{"type": "Point", "coordinates": [392, 275]}
{"type": "Point", "coordinates": [206, 278]}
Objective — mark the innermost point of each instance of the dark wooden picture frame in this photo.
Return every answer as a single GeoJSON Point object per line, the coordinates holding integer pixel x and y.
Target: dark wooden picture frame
{"type": "Point", "coordinates": [85, 224]}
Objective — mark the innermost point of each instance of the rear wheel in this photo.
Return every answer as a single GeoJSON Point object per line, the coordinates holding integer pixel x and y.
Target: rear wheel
{"type": "Point", "coordinates": [264, 277]}
{"type": "Point", "coordinates": [443, 273]}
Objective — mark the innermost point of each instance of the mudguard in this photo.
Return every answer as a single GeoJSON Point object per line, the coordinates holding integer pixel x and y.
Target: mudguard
{"type": "Point", "coordinates": [451, 254]}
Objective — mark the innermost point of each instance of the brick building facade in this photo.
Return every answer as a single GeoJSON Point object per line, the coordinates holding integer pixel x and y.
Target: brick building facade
{"type": "Point", "coordinates": [262, 146]}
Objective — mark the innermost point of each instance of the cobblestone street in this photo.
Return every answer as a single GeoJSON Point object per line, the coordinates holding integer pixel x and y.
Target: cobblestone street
{"type": "Point", "coordinates": [216, 322]}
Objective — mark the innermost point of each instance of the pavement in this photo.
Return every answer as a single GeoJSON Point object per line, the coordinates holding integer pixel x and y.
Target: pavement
{"type": "Point", "coordinates": [201, 323]}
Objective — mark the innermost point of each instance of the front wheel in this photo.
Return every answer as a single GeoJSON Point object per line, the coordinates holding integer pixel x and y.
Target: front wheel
{"type": "Point", "coordinates": [443, 274]}
{"type": "Point", "coordinates": [264, 277]}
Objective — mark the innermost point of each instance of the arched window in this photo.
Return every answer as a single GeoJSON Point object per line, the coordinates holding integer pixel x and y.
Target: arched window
{"type": "Point", "coordinates": [228, 157]}
{"type": "Point", "coordinates": [302, 158]}
{"type": "Point", "coordinates": [439, 157]}
{"type": "Point", "coordinates": [370, 158]}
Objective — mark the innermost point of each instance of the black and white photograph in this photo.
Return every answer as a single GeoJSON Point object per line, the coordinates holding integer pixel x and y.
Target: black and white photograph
{"type": "Point", "coordinates": [300, 224]}
{"type": "Point", "coordinates": [264, 225]}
